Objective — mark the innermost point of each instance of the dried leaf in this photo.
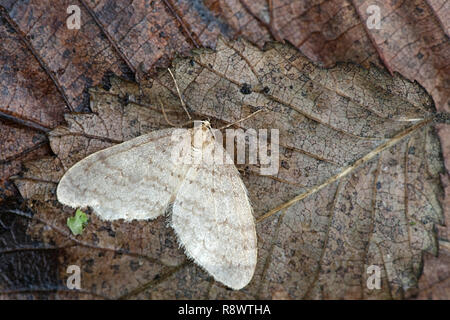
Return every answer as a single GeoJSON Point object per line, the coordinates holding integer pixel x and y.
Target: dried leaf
{"type": "Point", "coordinates": [18, 144]}
{"type": "Point", "coordinates": [359, 162]}
{"type": "Point", "coordinates": [29, 98]}
{"type": "Point", "coordinates": [435, 280]}
{"type": "Point", "coordinates": [72, 59]}
{"type": "Point", "coordinates": [412, 37]}
{"type": "Point", "coordinates": [19, 278]}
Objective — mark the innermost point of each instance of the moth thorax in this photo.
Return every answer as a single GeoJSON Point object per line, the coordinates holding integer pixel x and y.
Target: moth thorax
{"type": "Point", "coordinates": [202, 135]}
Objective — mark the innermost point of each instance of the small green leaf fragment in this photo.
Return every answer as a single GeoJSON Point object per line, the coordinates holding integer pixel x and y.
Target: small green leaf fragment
{"type": "Point", "coordinates": [412, 223]}
{"type": "Point", "coordinates": [77, 223]}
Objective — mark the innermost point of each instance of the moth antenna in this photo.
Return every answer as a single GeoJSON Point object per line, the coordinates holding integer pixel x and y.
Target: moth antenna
{"type": "Point", "coordinates": [167, 119]}
{"type": "Point", "coordinates": [164, 113]}
{"type": "Point", "coordinates": [179, 94]}
{"type": "Point", "coordinates": [243, 119]}
{"type": "Point", "coordinates": [187, 123]}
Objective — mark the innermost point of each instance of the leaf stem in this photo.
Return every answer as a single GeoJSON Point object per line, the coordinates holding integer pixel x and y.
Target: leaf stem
{"type": "Point", "coordinates": [346, 170]}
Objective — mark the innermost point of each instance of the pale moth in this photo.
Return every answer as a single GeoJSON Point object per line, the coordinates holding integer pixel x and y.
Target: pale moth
{"type": "Point", "coordinates": [138, 179]}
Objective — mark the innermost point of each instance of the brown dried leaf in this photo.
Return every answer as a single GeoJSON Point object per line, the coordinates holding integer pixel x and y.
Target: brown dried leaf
{"type": "Point", "coordinates": [435, 280]}
{"type": "Point", "coordinates": [73, 59]}
{"type": "Point", "coordinates": [18, 144]}
{"type": "Point", "coordinates": [412, 39]}
{"type": "Point", "coordinates": [19, 277]}
{"type": "Point", "coordinates": [28, 97]}
{"type": "Point", "coordinates": [123, 36]}
{"type": "Point", "coordinates": [359, 171]}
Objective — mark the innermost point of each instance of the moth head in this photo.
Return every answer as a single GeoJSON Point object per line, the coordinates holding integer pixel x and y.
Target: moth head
{"type": "Point", "coordinates": [206, 129]}
{"type": "Point", "coordinates": [202, 135]}
{"type": "Point", "coordinates": [206, 125]}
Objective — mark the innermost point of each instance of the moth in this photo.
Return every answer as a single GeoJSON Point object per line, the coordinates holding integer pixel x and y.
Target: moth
{"type": "Point", "coordinates": [138, 180]}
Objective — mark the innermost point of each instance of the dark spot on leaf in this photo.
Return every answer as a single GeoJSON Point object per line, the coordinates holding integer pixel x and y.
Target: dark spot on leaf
{"type": "Point", "coordinates": [37, 138]}
{"type": "Point", "coordinates": [66, 53]}
{"type": "Point", "coordinates": [134, 265]}
{"type": "Point", "coordinates": [246, 89]}
{"type": "Point", "coordinates": [116, 268]}
{"type": "Point", "coordinates": [94, 238]}
{"type": "Point", "coordinates": [168, 243]}
{"type": "Point", "coordinates": [127, 73]}
{"type": "Point", "coordinates": [106, 80]}
{"type": "Point", "coordinates": [111, 233]}
{"type": "Point", "coordinates": [392, 162]}
{"type": "Point", "coordinates": [442, 117]}
{"type": "Point", "coordinates": [88, 264]}
{"type": "Point", "coordinates": [124, 100]}
{"type": "Point", "coordinates": [285, 164]}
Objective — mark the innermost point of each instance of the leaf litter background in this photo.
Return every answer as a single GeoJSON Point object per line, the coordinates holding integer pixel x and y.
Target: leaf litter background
{"type": "Point", "coordinates": [47, 69]}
